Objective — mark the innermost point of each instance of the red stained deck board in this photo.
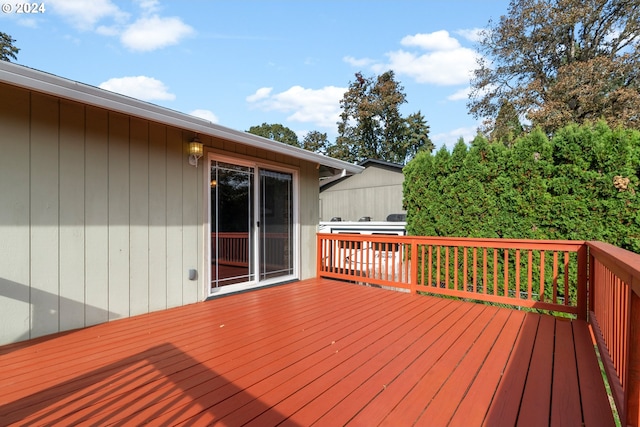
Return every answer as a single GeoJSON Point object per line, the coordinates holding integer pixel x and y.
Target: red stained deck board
{"type": "Point", "coordinates": [505, 404]}
{"type": "Point", "coordinates": [536, 400]}
{"type": "Point", "coordinates": [234, 374]}
{"type": "Point", "coordinates": [402, 386]}
{"type": "Point", "coordinates": [393, 367]}
{"type": "Point", "coordinates": [592, 388]}
{"type": "Point", "coordinates": [114, 339]}
{"type": "Point", "coordinates": [242, 370]}
{"type": "Point", "coordinates": [269, 356]}
{"type": "Point", "coordinates": [408, 411]}
{"type": "Point", "coordinates": [324, 394]}
{"type": "Point", "coordinates": [441, 408]}
{"type": "Point", "coordinates": [473, 407]}
{"type": "Point", "coordinates": [367, 379]}
{"type": "Point", "coordinates": [147, 355]}
{"type": "Point", "coordinates": [565, 396]}
{"type": "Point", "coordinates": [330, 366]}
{"type": "Point", "coordinates": [284, 370]}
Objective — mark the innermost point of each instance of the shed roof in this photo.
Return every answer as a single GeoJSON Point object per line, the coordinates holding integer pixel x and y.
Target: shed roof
{"type": "Point", "coordinates": [329, 182]}
{"type": "Point", "coordinates": [383, 163]}
{"type": "Point", "coordinates": [32, 79]}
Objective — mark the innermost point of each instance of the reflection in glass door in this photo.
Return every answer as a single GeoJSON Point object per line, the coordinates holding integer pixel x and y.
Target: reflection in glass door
{"type": "Point", "coordinates": [276, 224]}
{"type": "Point", "coordinates": [232, 201]}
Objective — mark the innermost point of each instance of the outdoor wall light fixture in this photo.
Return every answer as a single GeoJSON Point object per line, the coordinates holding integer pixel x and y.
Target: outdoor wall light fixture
{"type": "Point", "coordinates": [195, 151]}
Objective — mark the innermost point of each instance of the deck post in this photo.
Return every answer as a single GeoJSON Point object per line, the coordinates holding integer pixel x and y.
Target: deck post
{"type": "Point", "coordinates": [591, 283]}
{"type": "Point", "coordinates": [633, 389]}
{"type": "Point", "coordinates": [318, 254]}
{"type": "Point", "coordinates": [413, 263]}
{"type": "Point", "coordinates": [583, 267]}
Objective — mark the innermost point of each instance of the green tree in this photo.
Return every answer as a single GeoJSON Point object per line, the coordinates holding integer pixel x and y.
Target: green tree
{"type": "Point", "coordinates": [581, 184]}
{"type": "Point", "coordinates": [276, 132]}
{"type": "Point", "coordinates": [416, 136]}
{"type": "Point", "coordinates": [315, 141]}
{"type": "Point", "coordinates": [371, 126]}
{"type": "Point", "coordinates": [7, 50]}
{"type": "Point", "coordinates": [561, 61]}
{"type": "Point", "coordinates": [507, 126]}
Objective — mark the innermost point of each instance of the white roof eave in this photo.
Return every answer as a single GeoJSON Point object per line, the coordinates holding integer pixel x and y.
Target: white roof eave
{"type": "Point", "coordinates": [39, 81]}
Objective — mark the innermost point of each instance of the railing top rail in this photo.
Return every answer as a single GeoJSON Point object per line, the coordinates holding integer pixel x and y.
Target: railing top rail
{"type": "Point", "coordinates": [623, 263]}
{"type": "Point", "coordinates": [570, 245]}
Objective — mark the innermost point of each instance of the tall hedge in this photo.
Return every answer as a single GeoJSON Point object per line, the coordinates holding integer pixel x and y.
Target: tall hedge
{"type": "Point", "coordinates": [581, 185]}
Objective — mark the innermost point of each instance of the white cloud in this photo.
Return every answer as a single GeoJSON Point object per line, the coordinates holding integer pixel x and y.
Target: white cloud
{"type": "Point", "coordinates": [460, 94]}
{"type": "Point", "coordinates": [149, 32]}
{"type": "Point", "coordinates": [261, 93]}
{"type": "Point", "coordinates": [85, 15]}
{"type": "Point", "coordinates": [205, 114]}
{"type": "Point", "coordinates": [28, 22]}
{"type": "Point", "coordinates": [108, 30]}
{"type": "Point", "coordinates": [471, 34]}
{"type": "Point", "coordinates": [140, 87]}
{"type": "Point", "coordinates": [445, 67]}
{"type": "Point", "coordinates": [438, 40]}
{"type": "Point", "coordinates": [155, 32]}
{"type": "Point", "coordinates": [149, 6]}
{"type": "Point", "coordinates": [310, 61]}
{"type": "Point", "coordinates": [355, 62]}
{"type": "Point", "coordinates": [433, 58]}
{"type": "Point", "coordinates": [318, 106]}
{"type": "Point", "coordinates": [450, 139]}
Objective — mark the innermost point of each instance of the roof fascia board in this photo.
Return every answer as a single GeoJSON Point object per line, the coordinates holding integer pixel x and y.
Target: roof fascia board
{"type": "Point", "coordinates": [39, 81]}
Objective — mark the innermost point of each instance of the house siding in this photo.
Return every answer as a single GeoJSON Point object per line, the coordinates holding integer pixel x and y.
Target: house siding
{"type": "Point", "coordinates": [376, 192]}
{"type": "Point", "coordinates": [101, 216]}
{"type": "Point", "coordinates": [309, 219]}
{"type": "Point", "coordinates": [14, 213]}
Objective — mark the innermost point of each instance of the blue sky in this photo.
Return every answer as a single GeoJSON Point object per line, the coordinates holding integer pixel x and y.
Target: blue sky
{"type": "Point", "coordinates": [243, 63]}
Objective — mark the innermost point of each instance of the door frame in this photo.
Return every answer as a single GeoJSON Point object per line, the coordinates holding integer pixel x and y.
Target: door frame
{"type": "Point", "coordinates": [214, 155]}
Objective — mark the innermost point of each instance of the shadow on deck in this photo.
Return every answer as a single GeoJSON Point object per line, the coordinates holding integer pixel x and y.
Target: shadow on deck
{"type": "Point", "coordinates": [317, 352]}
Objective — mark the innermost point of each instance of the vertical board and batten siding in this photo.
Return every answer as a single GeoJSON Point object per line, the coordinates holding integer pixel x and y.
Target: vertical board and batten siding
{"type": "Point", "coordinates": [44, 213]}
{"type": "Point", "coordinates": [191, 217]}
{"type": "Point", "coordinates": [15, 183]}
{"type": "Point", "coordinates": [174, 224]}
{"type": "Point", "coordinates": [139, 216]}
{"type": "Point", "coordinates": [158, 250]}
{"type": "Point", "coordinates": [72, 212]}
{"type": "Point", "coordinates": [376, 192]}
{"type": "Point", "coordinates": [96, 216]}
{"type": "Point", "coordinates": [309, 218]}
{"type": "Point", "coordinates": [119, 220]}
{"type": "Point", "coordinates": [101, 216]}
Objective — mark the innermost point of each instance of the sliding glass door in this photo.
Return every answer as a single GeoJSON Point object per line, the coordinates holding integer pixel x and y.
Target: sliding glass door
{"type": "Point", "coordinates": [252, 225]}
{"type": "Point", "coordinates": [232, 224]}
{"type": "Point", "coordinates": [276, 224]}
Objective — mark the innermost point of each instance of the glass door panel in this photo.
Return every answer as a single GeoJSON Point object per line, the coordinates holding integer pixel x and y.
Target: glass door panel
{"type": "Point", "coordinates": [276, 224]}
{"type": "Point", "coordinates": [232, 220]}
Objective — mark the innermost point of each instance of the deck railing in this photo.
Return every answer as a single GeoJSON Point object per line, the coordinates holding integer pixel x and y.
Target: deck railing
{"type": "Point", "coordinates": [614, 312]}
{"type": "Point", "coordinates": [574, 277]}
{"type": "Point", "coordinates": [548, 275]}
{"type": "Point", "coordinates": [233, 248]}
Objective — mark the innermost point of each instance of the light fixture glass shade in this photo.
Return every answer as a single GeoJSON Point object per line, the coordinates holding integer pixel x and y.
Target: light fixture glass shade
{"type": "Point", "coordinates": [195, 148]}
{"type": "Point", "coordinates": [195, 151]}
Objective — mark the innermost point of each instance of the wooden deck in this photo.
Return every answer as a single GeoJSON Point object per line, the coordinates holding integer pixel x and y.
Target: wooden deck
{"type": "Point", "coordinates": [317, 352]}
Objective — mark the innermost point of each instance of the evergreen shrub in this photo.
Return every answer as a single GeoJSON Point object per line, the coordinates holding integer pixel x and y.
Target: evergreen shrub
{"type": "Point", "coordinates": [582, 184]}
